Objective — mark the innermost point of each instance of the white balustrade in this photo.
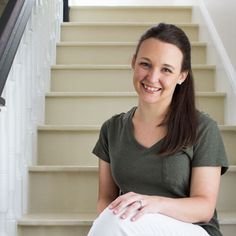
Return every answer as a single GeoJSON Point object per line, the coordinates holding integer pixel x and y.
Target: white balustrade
{"type": "Point", "coordinates": [28, 80]}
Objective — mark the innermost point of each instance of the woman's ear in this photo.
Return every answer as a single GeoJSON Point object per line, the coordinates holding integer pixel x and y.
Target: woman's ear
{"type": "Point", "coordinates": [133, 61]}
{"type": "Point", "coordinates": [182, 77]}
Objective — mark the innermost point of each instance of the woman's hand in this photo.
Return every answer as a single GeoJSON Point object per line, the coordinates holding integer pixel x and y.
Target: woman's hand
{"type": "Point", "coordinates": [137, 204]}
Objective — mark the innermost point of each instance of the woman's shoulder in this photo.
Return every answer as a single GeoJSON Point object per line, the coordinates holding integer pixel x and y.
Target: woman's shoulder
{"type": "Point", "coordinates": [205, 120]}
{"type": "Point", "coordinates": [206, 125]}
{"type": "Point", "coordinates": [120, 119]}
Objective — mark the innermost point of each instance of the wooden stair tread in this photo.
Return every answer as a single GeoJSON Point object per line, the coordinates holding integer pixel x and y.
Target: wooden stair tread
{"type": "Point", "coordinates": [88, 218]}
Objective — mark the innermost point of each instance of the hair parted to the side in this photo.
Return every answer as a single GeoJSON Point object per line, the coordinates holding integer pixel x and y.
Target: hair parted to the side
{"type": "Point", "coordinates": [181, 119]}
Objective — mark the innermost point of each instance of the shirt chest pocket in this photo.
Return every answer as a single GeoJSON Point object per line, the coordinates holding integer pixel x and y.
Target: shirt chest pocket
{"type": "Point", "coordinates": [176, 169]}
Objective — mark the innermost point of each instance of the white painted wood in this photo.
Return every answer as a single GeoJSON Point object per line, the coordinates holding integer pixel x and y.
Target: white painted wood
{"type": "Point", "coordinates": [225, 72]}
{"type": "Point", "coordinates": [131, 2]}
{"type": "Point", "coordinates": [27, 83]}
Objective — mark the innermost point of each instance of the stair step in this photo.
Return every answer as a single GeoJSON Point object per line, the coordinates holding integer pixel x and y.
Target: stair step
{"type": "Point", "coordinates": [114, 32]}
{"type": "Point", "coordinates": [95, 108]}
{"type": "Point", "coordinates": [131, 14]}
{"type": "Point", "coordinates": [227, 223]}
{"type": "Point", "coordinates": [227, 194]}
{"type": "Point", "coordinates": [67, 189]}
{"type": "Point", "coordinates": [55, 224]}
{"type": "Point", "coordinates": [111, 53]}
{"type": "Point", "coordinates": [79, 224]}
{"type": "Point", "coordinates": [67, 145]}
{"type": "Point", "coordinates": [229, 137]}
{"type": "Point", "coordinates": [72, 145]}
{"type": "Point", "coordinates": [81, 78]}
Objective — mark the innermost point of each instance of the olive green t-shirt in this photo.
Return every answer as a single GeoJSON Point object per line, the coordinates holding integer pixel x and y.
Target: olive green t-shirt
{"type": "Point", "coordinates": [140, 169]}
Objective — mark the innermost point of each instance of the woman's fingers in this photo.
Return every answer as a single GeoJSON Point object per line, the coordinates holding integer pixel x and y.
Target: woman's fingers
{"type": "Point", "coordinates": [127, 204]}
{"type": "Point", "coordinates": [123, 201]}
{"type": "Point", "coordinates": [130, 209]}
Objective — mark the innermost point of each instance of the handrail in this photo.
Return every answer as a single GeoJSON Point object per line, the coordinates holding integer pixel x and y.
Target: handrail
{"type": "Point", "coordinates": [65, 11]}
{"type": "Point", "coordinates": [12, 25]}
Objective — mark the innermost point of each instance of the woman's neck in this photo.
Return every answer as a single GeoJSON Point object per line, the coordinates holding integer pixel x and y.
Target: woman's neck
{"type": "Point", "coordinates": [151, 113]}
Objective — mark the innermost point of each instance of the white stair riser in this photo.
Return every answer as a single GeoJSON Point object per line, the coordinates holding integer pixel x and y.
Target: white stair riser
{"type": "Point", "coordinates": [75, 147]}
{"type": "Point", "coordinates": [62, 192]}
{"type": "Point", "coordinates": [227, 194]}
{"type": "Point", "coordinates": [103, 80]}
{"type": "Point", "coordinates": [110, 54]}
{"type": "Point", "coordinates": [229, 138]}
{"type": "Point", "coordinates": [67, 192]}
{"type": "Point", "coordinates": [73, 230]}
{"type": "Point", "coordinates": [67, 148]}
{"type": "Point", "coordinates": [95, 110]}
{"type": "Point", "coordinates": [143, 14]}
{"type": "Point", "coordinates": [228, 229]}
{"type": "Point", "coordinates": [113, 33]}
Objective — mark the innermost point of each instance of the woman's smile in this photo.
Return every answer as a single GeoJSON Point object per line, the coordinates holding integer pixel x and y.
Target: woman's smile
{"type": "Point", "coordinates": [150, 89]}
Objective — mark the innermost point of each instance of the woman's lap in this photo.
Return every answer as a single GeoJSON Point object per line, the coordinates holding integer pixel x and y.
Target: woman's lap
{"type": "Point", "coordinates": [108, 224]}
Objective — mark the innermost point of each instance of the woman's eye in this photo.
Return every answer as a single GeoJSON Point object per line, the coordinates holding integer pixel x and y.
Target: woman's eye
{"type": "Point", "coordinates": [144, 64]}
{"type": "Point", "coordinates": [166, 70]}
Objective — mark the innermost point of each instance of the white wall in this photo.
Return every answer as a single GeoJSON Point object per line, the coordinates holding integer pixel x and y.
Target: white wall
{"type": "Point", "coordinates": [223, 14]}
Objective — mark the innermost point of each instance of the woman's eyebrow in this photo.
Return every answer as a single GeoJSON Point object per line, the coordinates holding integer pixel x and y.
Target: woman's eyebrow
{"type": "Point", "coordinates": [145, 58]}
{"type": "Point", "coordinates": [170, 66]}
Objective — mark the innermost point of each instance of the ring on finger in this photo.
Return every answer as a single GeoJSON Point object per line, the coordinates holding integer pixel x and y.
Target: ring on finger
{"type": "Point", "coordinates": [140, 203]}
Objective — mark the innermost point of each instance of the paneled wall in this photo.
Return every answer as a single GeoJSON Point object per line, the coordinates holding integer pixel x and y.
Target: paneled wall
{"type": "Point", "coordinates": [24, 94]}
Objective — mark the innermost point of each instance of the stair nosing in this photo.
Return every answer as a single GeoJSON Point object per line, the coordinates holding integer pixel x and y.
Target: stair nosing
{"type": "Point", "coordinates": [42, 220]}
{"type": "Point", "coordinates": [79, 168]}
{"type": "Point", "coordinates": [53, 168]}
{"type": "Point", "coordinates": [114, 67]}
{"type": "Point", "coordinates": [91, 44]}
{"type": "Point", "coordinates": [184, 7]}
{"type": "Point", "coordinates": [120, 94]}
{"type": "Point", "coordinates": [97, 127]}
{"type": "Point", "coordinates": [69, 127]}
{"type": "Point", "coordinates": [74, 24]}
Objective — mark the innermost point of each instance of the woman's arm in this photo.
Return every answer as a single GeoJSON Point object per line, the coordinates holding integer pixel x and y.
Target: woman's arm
{"type": "Point", "coordinates": [108, 190]}
{"type": "Point", "coordinates": [199, 207]}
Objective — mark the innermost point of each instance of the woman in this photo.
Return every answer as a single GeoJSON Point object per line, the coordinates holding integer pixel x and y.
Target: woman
{"type": "Point", "coordinates": [160, 163]}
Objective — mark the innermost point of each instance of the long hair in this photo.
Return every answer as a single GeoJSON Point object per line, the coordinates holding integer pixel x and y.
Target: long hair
{"type": "Point", "coordinates": [181, 118]}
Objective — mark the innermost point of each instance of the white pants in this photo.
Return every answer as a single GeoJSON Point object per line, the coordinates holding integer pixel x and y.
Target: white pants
{"type": "Point", "coordinates": [108, 224]}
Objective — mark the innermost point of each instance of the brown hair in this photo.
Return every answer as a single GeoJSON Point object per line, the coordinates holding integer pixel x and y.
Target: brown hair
{"type": "Point", "coordinates": [181, 119]}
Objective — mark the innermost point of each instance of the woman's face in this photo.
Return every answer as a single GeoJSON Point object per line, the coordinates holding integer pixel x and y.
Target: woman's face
{"type": "Point", "coordinates": [157, 71]}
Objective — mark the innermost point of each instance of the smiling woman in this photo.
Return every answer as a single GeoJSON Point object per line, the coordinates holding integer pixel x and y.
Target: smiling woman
{"type": "Point", "coordinates": [160, 163]}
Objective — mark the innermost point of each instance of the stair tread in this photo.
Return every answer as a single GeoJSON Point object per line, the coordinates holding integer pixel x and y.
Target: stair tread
{"type": "Point", "coordinates": [69, 44]}
{"type": "Point", "coordinates": [132, 7]}
{"type": "Point", "coordinates": [119, 94]}
{"type": "Point", "coordinates": [76, 168]}
{"type": "Point", "coordinates": [124, 67]}
{"type": "Point", "coordinates": [97, 127]}
{"type": "Point", "coordinates": [58, 219]}
{"type": "Point", "coordinates": [69, 24]}
{"type": "Point", "coordinates": [54, 168]}
{"type": "Point", "coordinates": [87, 219]}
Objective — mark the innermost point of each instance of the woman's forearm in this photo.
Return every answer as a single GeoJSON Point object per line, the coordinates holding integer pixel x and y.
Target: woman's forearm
{"type": "Point", "coordinates": [192, 209]}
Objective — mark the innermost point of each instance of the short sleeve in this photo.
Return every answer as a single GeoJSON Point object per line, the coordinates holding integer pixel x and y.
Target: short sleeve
{"type": "Point", "coordinates": [209, 149]}
{"type": "Point", "coordinates": [101, 149]}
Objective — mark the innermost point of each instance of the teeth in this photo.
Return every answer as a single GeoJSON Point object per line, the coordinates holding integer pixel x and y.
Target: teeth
{"type": "Point", "coordinates": [151, 89]}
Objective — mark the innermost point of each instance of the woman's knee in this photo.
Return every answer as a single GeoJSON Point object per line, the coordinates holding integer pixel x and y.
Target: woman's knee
{"type": "Point", "coordinates": [107, 224]}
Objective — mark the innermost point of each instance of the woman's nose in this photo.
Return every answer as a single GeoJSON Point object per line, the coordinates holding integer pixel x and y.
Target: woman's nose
{"type": "Point", "coordinates": [154, 76]}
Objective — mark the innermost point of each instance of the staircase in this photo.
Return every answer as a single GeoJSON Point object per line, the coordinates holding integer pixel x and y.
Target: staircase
{"type": "Point", "coordinates": [91, 81]}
